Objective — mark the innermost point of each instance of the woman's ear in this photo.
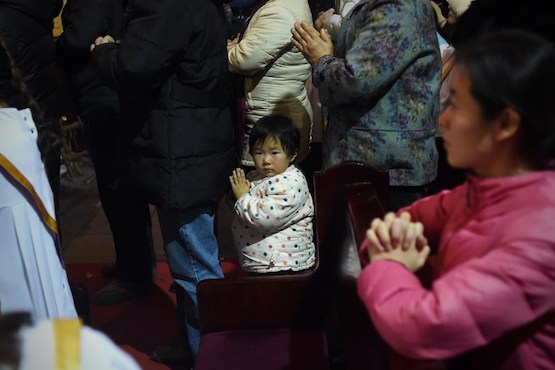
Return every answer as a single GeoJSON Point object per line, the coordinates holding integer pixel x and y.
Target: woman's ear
{"type": "Point", "coordinates": [509, 122]}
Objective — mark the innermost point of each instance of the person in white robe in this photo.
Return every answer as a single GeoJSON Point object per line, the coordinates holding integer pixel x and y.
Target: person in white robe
{"type": "Point", "coordinates": [32, 275]}
{"type": "Point", "coordinates": [58, 344]}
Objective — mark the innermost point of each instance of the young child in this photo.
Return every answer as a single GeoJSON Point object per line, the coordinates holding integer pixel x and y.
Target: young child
{"type": "Point", "coordinates": [272, 228]}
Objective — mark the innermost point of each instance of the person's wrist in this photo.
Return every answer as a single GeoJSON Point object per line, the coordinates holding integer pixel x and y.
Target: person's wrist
{"type": "Point", "coordinates": [318, 58]}
{"type": "Point", "coordinates": [377, 258]}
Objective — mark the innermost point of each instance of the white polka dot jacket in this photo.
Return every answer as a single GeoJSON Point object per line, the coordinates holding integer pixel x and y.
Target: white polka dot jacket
{"type": "Point", "coordinates": [272, 228]}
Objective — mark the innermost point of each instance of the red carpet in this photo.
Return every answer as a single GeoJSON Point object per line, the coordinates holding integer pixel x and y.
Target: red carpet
{"type": "Point", "coordinates": [138, 325]}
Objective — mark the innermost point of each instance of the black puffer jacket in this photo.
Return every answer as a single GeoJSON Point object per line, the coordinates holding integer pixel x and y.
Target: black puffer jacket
{"type": "Point", "coordinates": [484, 16]}
{"type": "Point", "coordinates": [171, 72]}
{"type": "Point", "coordinates": [26, 26]}
{"type": "Point", "coordinates": [84, 21]}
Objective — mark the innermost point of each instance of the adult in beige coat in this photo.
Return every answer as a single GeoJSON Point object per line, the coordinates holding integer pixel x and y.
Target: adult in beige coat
{"type": "Point", "coordinates": [275, 71]}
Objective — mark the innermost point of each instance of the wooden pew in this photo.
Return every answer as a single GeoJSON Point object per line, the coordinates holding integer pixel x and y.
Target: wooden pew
{"type": "Point", "coordinates": [362, 346]}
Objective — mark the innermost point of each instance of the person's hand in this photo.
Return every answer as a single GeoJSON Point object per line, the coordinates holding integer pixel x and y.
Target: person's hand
{"type": "Point", "coordinates": [397, 238]}
{"type": "Point", "coordinates": [102, 40]}
{"type": "Point", "coordinates": [395, 232]}
{"type": "Point", "coordinates": [412, 258]}
{"type": "Point", "coordinates": [239, 183]}
{"type": "Point", "coordinates": [451, 17]}
{"type": "Point", "coordinates": [323, 19]}
{"type": "Point", "coordinates": [392, 232]}
{"type": "Point", "coordinates": [312, 43]}
{"type": "Point", "coordinates": [441, 20]}
{"type": "Point", "coordinates": [232, 43]}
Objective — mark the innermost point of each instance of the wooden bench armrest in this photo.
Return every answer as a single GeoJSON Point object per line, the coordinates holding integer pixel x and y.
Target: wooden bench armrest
{"type": "Point", "coordinates": [260, 303]}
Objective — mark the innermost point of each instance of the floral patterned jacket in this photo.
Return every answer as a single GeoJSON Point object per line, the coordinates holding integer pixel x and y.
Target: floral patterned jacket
{"type": "Point", "coordinates": [381, 89]}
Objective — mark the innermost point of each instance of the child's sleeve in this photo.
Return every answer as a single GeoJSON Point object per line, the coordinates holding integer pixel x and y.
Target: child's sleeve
{"type": "Point", "coordinates": [274, 205]}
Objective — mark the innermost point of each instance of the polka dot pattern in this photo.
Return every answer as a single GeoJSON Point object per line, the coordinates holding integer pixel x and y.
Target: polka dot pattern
{"type": "Point", "coordinates": [273, 229]}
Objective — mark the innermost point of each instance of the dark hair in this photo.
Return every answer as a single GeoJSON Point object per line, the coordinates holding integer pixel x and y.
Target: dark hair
{"type": "Point", "coordinates": [516, 69]}
{"type": "Point", "coordinates": [276, 127]}
{"type": "Point", "coordinates": [14, 93]}
{"type": "Point", "coordinates": [10, 343]}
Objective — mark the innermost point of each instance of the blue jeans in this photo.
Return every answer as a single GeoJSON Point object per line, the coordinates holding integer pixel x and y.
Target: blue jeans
{"type": "Point", "coordinates": [192, 252]}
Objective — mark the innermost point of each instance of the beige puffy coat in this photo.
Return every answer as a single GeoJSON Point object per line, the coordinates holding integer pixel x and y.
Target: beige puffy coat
{"type": "Point", "coordinates": [275, 71]}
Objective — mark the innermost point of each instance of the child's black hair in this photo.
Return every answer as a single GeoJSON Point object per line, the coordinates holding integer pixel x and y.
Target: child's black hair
{"type": "Point", "coordinates": [279, 128]}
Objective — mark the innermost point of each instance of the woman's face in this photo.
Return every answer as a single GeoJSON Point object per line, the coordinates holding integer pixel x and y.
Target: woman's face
{"type": "Point", "coordinates": [468, 136]}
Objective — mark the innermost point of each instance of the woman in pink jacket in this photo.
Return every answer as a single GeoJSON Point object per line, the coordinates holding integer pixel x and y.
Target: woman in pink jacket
{"type": "Point", "coordinates": [491, 304]}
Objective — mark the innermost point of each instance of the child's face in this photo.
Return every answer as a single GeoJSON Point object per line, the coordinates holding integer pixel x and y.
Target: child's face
{"type": "Point", "coordinates": [269, 157]}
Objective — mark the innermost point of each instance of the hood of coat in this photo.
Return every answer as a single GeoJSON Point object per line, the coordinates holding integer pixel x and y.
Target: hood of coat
{"type": "Point", "coordinates": [41, 10]}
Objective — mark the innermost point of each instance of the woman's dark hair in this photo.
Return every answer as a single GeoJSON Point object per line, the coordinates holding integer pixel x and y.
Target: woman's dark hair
{"type": "Point", "coordinates": [10, 344]}
{"type": "Point", "coordinates": [14, 93]}
{"type": "Point", "coordinates": [516, 69]}
{"type": "Point", "coordinates": [279, 128]}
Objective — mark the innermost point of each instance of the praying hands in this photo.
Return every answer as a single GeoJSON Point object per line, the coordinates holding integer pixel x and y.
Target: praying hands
{"type": "Point", "coordinates": [398, 239]}
{"type": "Point", "coordinates": [240, 185]}
{"type": "Point", "coordinates": [312, 43]}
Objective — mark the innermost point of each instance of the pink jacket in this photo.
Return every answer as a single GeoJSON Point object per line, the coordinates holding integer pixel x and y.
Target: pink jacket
{"type": "Point", "coordinates": [495, 277]}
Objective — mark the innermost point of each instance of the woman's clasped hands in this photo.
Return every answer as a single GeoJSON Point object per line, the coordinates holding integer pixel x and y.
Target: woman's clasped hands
{"type": "Point", "coordinates": [397, 238]}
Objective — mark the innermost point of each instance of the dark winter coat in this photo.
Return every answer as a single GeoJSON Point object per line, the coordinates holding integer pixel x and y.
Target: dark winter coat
{"type": "Point", "coordinates": [484, 16]}
{"type": "Point", "coordinates": [171, 71]}
{"type": "Point", "coordinates": [26, 26]}
{"type": "Point", "coordinates": [83, 21]}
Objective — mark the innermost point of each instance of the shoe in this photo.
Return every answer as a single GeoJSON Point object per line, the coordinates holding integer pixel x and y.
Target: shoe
{"type": "Point", "coordinates": [119, 291]}
{"type": "Point", "coordinates": [175, 352]}
{"type": "Point", "coordinates": [172, 287]}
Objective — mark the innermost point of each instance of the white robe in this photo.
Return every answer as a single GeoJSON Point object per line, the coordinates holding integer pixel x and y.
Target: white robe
{"type": "Point", "coordinates": [32, 277]}
{"type": "Point", "coordinates": [95, 350]}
